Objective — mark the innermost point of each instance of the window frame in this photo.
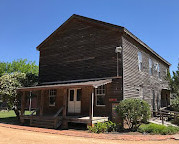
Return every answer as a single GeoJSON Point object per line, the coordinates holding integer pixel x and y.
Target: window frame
{"type": "Point", "coordinates": [103, 94]}
{"type": "Point", "coordinates": [158, 71]}
{"type": "Point", "coordinates": [166, 72]}
{"type": "Point", "coordinates": [140, 66]}
{"type": "Point", "coordinates": [150, 67]}
{"type": "Point", "coordinates": [52, 93]}
{"type": "Point", "coordinates": [141, 92]}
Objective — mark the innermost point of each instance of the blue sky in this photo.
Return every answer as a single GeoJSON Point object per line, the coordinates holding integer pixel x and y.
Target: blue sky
{"type": "Point", "coordinates": [24, 24]}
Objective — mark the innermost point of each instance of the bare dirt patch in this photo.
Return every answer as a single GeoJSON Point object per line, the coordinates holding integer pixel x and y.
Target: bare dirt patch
{"type": "Point", "coordinates": [17, 136]}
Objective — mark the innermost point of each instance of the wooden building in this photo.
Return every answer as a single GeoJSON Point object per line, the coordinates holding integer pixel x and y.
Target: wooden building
{"type": "Point", "coordinates": [88, 66]}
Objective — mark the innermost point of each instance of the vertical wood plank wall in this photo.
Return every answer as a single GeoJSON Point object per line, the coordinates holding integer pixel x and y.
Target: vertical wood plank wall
{"type": "Point", "coordinates": [80, 51]}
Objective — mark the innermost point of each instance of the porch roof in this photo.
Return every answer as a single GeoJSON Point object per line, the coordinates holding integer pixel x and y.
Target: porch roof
{"type": "Point", "coordinates": [94, 84]}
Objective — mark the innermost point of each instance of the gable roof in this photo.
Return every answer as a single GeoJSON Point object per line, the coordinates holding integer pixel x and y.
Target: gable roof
{"type": "Point", "coordinates": [109, 25]}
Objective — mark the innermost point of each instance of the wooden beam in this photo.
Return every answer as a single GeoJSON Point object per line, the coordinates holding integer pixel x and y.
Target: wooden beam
{"type": "Point", "coordinates": [42, 103]}
{"type": "Point", "coordinates": [65, 122]}
{"type": "Point", "coordinates": [23, 103]}
{"type": "Point", "coordinates": [64, 103]}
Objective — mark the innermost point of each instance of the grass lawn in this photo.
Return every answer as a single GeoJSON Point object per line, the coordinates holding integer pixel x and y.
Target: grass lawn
{"type": "Point", "coordinates": [7, 114]}
{"type": "Point", "coordinates": [10, 117]}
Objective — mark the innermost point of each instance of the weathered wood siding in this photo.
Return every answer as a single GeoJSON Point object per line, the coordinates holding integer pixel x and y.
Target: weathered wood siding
{"type": "Point", "coordinates": [133, 79]}
{"type": "Point", "coordinates": [113, 91]}
{"type": "Point", "coordinates": [79, 51]}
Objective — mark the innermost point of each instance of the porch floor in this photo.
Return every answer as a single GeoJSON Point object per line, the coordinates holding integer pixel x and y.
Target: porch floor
{"type": "Point", "coordinates": [72, 119]}
{"type": "Point", "coordinates": [85, 119]}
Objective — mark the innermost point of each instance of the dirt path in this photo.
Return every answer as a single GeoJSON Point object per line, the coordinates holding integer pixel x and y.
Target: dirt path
{"type": "Point", "coordinates": [15, 136]}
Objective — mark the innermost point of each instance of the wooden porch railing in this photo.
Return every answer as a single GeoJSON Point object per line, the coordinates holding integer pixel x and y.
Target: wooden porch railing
{"type": "Point", "coordinates": [58, 112]}
{"type": "Point", "coordinates": [58, 120]}
{"type": "Point", "coordinates": [166, 113]}
{"type": "Point", "coordinates": [34, 111]}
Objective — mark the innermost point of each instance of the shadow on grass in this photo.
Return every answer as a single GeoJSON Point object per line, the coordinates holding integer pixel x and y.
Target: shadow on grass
{"type": "Point", "coordinates": [10, 120]}
{"type": "Point", "coordinates": [77, 126]}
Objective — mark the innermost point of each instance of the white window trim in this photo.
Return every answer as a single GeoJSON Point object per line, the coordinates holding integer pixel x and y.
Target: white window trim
{"type": "Point", "coordinates": [52, 96]}
{"type": "Point", "coordinates": [166, 72]}
{"type": "Point", "coordinates": [139, 61]}
{"type": "Point", "coordinates": [141, 93]}
{"type": "Point", "coordinates": [75, 91]}
{"type": "Point", "coordinates": [158, 71]}
{"type": "Point", "coordinates": [100, 95]}
{"type": "Point", "coordinates": [150, 67]}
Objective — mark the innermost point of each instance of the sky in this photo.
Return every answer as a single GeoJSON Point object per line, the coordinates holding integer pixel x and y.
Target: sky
{"type": "Point", "coordinates": [24, 24]}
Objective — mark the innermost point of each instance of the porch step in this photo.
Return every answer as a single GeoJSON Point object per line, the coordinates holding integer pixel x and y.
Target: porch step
{"type": "Point", "coordinates": [46, 123]}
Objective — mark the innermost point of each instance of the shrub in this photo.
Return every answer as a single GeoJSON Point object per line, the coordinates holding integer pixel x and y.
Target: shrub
{"type": "Point", "coordinates": [103, 127]}
{"type": "Point", "coordinates": [175, 121]}
{"type": "Point", "coordinates": [133, 112]}
{"type": "Point", "coordinates": [110, 126]}
{"type": "Point", "coordinates": [175, 104]}
{"type": "Point", "coordinates": [157, 129]}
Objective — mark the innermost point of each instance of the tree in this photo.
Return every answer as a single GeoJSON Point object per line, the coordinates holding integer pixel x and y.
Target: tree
{"type": "Point", "coordinates": [174, 82]}
{"type": "Point", "coordinates": [8, 85]}
{"type": "Point", "coordinates": [21, 65]}
{"type": "Point", "coordinates": [133, 111]}
{"type": "Point", "coordinates": [15, 74]}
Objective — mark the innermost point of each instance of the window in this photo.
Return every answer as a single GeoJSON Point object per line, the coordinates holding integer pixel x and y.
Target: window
{"type": "Point", "coordinates": [79, 94]}
{"type": "Point", "coordinates": [150, 67]}
{"type": "Point", "coordinates": [141, 95]}
{"type": "Point", "coordinates": [71, 95]}
{"type": "Point", "coordinates": [153, 100]}
{"type": "Point", "coordinates": [166, 72]}
{"type": "Point", "coordinates": [158, 70]}
{"type": "Point", "coordinates": [140, 60]}
{"type": "Point", "coordinates": [100, 96]}
{"type": "Point", "coordinates": [52, 97]}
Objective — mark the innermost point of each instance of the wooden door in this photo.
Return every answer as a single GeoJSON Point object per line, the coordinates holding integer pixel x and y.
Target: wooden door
{"type": "Point", "coordinates": [74, 101]}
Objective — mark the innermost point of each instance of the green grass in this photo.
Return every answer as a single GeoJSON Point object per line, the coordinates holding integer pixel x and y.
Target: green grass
{"type": "Point", "coordinates": [10, 117]}
{"type": "Point", "coordinates": [7, 114]}
{"type": "Point", "coordinates": [158, 129]}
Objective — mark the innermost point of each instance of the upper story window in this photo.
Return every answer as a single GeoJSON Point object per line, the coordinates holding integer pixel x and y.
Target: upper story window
{"type": "Point", "coordinates": [52, 97]}
{"type": "Point", "coordinates": [100, 96]}
{"type": "Point", "coordinates": [150, 67]}
{"type": "Point", "coordinates": [141, 94]}
{"type": "Point", "coordinates": [140, 60]}
{"type": "Point", "coordinates": [166, 72]}
{"type": "Point", "coordinates": [158, 70]}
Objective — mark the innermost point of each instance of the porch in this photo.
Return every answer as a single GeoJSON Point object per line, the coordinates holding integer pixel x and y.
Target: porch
{"type": "Point", "coordinates": [60, 114]}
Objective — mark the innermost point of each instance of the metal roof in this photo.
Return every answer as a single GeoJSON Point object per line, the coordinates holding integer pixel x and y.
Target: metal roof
{"type": "Point", "coordinates": [94, 84]}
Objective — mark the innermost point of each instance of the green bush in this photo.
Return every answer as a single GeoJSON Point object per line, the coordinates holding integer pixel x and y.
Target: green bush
{"type": "Point", "coordinates": [103, 127]}
{"type": "Point", "coordinates": [157, 129]}
{"type": "Point", "coordinates": [175, 104]}
{"type": "Point", "coordinates": [134, 112]}
{"type": "Point", "coordinates": [175, 121]}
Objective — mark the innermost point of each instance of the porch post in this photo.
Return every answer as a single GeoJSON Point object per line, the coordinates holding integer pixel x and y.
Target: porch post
{"type": "Point", "coordinates": [65, 122]}
{"type": "Point", "coordinates": [22, 107]}
{"type": "Point", "coordinates": [91, 108]}
{"type": "Point", "coordinates": [22, 103]}
{"type": "Point", "coordinates": [42, 103]}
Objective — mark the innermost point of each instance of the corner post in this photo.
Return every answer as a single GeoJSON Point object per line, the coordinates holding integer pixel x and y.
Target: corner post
{"type": "Point", "coordinates": [91, 110]}
{"type": "Point", "coordinates": [65, 122]}
{"type": "Point", "coordinates": [42, 103]}
{"type": "Point", "coordinates": [22, 107]}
